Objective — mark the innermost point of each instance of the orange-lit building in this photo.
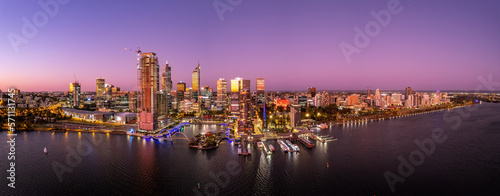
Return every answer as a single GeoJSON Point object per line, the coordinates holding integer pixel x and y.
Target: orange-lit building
{"type": "Point", "coordinates": [283, 103]}
{"type": "Point", "coordinates": [149, 84]}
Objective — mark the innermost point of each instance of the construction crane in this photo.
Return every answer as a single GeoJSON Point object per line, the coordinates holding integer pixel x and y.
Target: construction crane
{"type": "Point", "coordinates": [139, 72]}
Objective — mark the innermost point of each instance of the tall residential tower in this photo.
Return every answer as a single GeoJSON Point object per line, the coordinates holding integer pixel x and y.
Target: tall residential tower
{"type": "Point", "coordinates": [149, 86]}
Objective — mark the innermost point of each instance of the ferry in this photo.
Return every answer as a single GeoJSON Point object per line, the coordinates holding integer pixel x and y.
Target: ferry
{"type": "Point", "coordinates": [306, 142]}
{"type": "Point", "coordinates": [291, 149]}
{"type": "Point", "coordinates": [271, 147]}
{"type": "Point", "coordinates": [283, 146]}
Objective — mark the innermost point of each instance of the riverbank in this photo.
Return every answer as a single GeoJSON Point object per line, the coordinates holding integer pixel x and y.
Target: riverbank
{"type": "Point", "coordinates": [406, 114]}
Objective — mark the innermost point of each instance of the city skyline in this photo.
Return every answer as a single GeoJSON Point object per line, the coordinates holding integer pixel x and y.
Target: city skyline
{"type": "Point", "coordinates": [441, 49]}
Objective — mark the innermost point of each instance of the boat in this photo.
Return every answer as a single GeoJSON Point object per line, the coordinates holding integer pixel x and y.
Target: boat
{"type": "Point", "coordinates": [271, 147]}
{"type": "Point", "coordinates": [259, 144]}
{"type": "Point", "coordinates": [323, 126]}
{"type": "Point", "coordinates": [292, 148]}
{"type": "Point", "coordinates": [296, 147]}
{"type": "Point", "coordinates": [283, 146]}
{"type": "Point", "coordinates": [45, 150]}
{"type": "Point", "coordinates": [306, 142]}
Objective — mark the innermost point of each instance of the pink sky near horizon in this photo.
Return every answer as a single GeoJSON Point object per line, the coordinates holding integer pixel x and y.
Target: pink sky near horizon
{"type": "Point", "coordinates": [293, 45]}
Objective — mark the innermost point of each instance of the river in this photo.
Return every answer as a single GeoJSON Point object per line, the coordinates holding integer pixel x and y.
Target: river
{"type": "Point", "coordinates": [465, 162]}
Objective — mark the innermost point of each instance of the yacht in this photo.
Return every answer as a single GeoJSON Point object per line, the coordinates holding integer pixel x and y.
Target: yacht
{"type": "Point", "coordinates": [271, 147]}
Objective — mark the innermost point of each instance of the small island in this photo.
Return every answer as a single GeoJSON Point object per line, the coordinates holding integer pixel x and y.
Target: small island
{"type": "Point", "coordinates": [205, 141]}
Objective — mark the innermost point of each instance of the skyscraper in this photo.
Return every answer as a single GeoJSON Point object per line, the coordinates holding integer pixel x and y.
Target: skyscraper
{"type": "Point", "coordinates": [181, 88]}
{"type": "Point", "coordinates": [245, 84]}
{"type": "Point", "coordinates": [260, 92]}
{"type": "Point", "coordinates": [196, 82]}
{"type": "Point", "coordinates": [99, 87]}
{"type": "Point", "coordinates": [245, 106]}
{"type": "Point", "coordinates": [408, 92]}
{"type": "Point", "coordinates": [378, 98]}
{"type": "Point", "coordinates": [221, 93]}
{"type": "Point", "coordinates": [166, 79]}
{"type": "Point", "coordinates": [149, 86]}
{"type": "Point", "coordinates": [235, 93]}
{"type": "Point", "coordinates": [295, 115]}
{"type": "Point", "coordinates": [76, 90]}
{"type": "Point", "coordinates": [312, 91]}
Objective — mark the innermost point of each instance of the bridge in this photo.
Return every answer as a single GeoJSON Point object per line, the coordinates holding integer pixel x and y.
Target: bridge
{"type": "Point", "coordinates": [174, 133]}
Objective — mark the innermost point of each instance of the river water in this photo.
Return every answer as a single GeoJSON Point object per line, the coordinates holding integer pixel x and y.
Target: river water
{"type": "Point", "coordinates": [466, 162]}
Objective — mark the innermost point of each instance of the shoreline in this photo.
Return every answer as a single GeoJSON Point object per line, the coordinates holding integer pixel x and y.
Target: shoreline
{"type": "Point", "coordinates": [362, 120]}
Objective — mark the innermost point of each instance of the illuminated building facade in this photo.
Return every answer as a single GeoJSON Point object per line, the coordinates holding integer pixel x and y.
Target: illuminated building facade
{"type": "Point", "coordinates": [235, 93]}
{"type": "Point", "coordinates": [295, 115]}
{"type": "Point", "coordinates": [261, 94]}
{"type": "Point", "coordinates": [352, 99]}
{"type": "Point", "coordinates": [149, 86]}
{"type": "Point", "coordinates": [75, 89]}
{"type": "Point", "coordinates": [312, 91]}
{"type": "Point", "coordinates": [221, 94]}
{"type": "Point", "coordinates": [99, 87]}
{"type": "Point", "coordinates": [166, 79]}
{"type": "Point", "coordinates": [195, 92]}
{"type": "Point", "coordinates": [181, 88]}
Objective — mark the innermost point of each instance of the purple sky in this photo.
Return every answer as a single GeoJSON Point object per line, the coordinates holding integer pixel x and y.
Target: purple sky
{"type": "Point", "coordinates": [292, 44]}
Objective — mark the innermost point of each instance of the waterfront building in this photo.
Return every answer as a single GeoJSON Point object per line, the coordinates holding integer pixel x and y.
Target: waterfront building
{"type": "Point", "coordinates": [75, 89]}
{"type": "Point", "coordinates": [132, 101]}
{"type": "Point", "coordinates": [149, 86]}
{"type": "Point", "coordinates": [408, 92]}
{"type": "Point", "coordinates": [437, 97]}
{"type": "Point", "coordinates": [295, 115]}
{"type": "Point", "coordinates": [397, 99]}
